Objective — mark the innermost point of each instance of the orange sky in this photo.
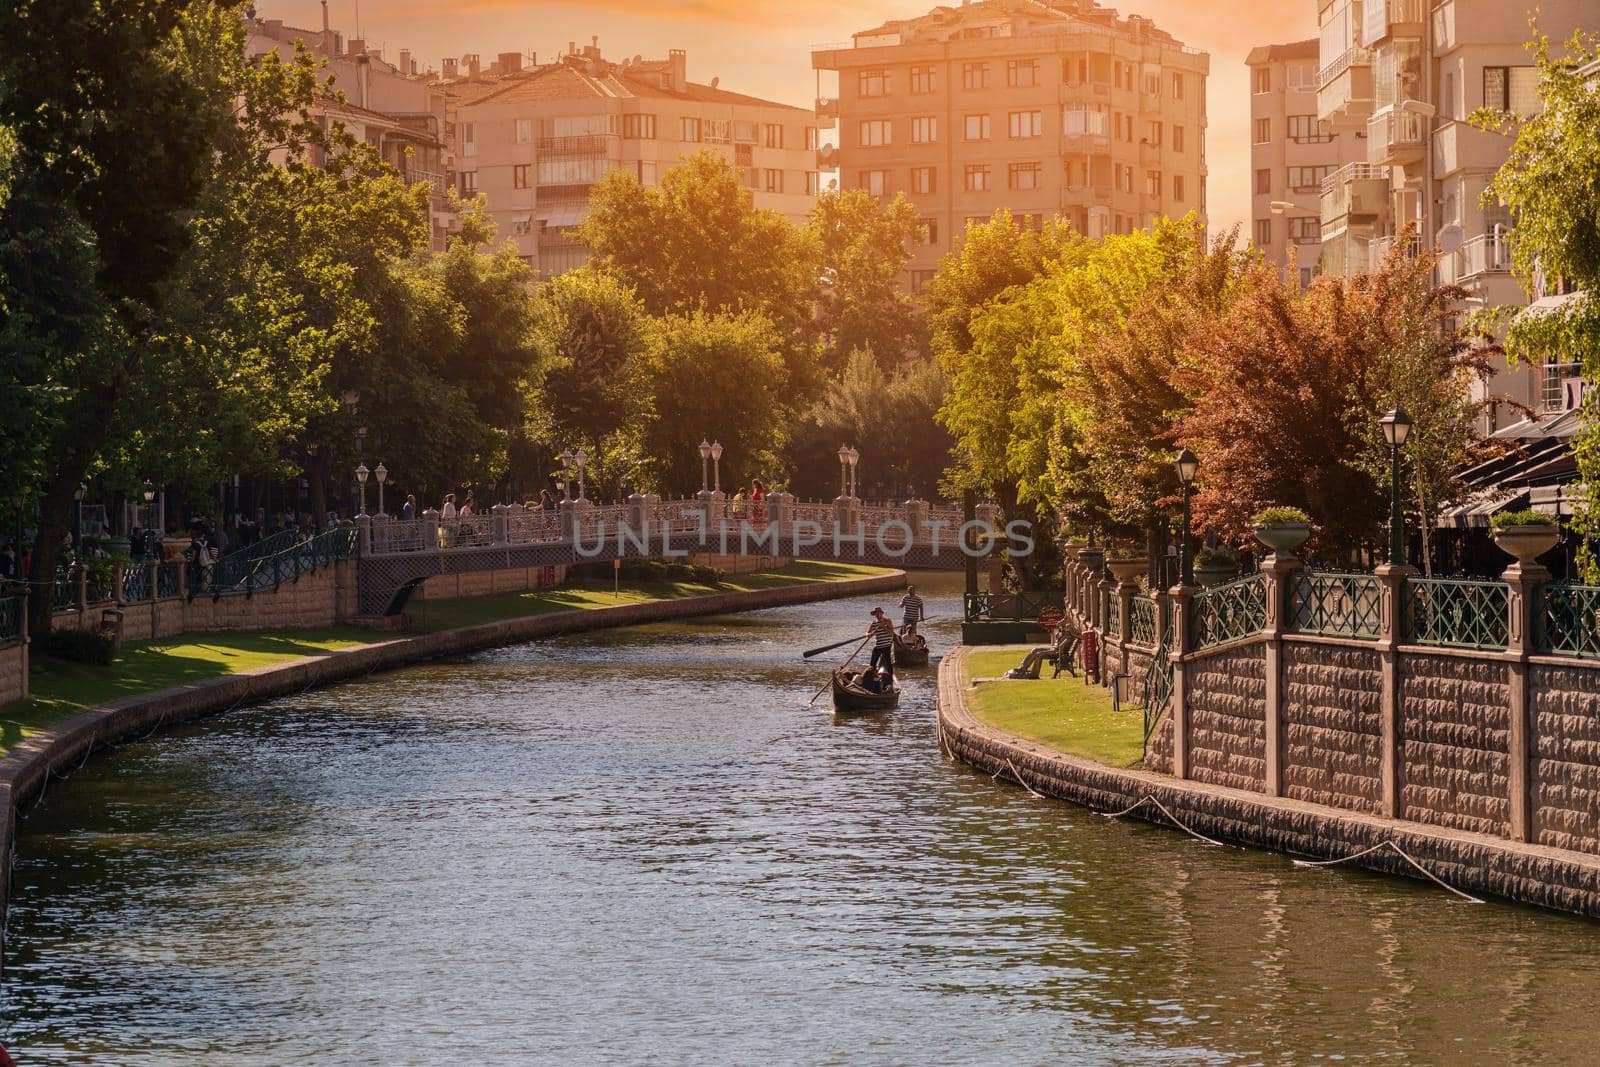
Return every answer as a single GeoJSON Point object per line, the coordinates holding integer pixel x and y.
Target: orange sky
{"type": "Point", "coordinates": [763, 48]}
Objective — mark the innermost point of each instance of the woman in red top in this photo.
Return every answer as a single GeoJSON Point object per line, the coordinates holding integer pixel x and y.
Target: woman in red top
{"type": "Point", "coordinates": [758, 509]}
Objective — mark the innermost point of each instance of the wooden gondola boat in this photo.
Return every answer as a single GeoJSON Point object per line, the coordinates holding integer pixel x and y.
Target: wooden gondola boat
{"type": "Point", "coordinates": [851, 698]}
{"type": "Point", "coordinates": [909, 655]}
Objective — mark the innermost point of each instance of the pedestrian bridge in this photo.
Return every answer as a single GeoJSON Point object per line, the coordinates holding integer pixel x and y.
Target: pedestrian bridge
{"type": "Point", "coordinates": [396, 556]}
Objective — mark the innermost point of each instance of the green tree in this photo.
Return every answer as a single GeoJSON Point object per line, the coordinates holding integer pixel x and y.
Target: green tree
{"type": "Point", "coordinates": [592, 335]}
{"type": "Point", "coordinates": [864, 245]}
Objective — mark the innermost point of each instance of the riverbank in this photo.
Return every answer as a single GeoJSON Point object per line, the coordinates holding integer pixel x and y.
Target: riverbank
{"type": "Point", "coordinates": [1475, 863]}
{"type": "Point", "coordinates": [55, 747]}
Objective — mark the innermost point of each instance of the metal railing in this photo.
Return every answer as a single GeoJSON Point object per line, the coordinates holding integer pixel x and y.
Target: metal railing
{"type": "Point", "coordinates": [1457, 613]}
{"type": "Point", "coordinates": [1486, 254]}
{"type": "Point", "coordinates": [1142, 622]}
{"type": "Point", "coordinates": [169, 579]}
{"type": "Point", "coordinates": [1015, 607]}
{"type": "Point", "coordinates": [1231, 611]}
{"type": "Point", "coordinates": [1157, 687]}
{"type": "Point", "coordinates": [138, 584]}
{"type": "Point", "coordinates": [64, 591]}
{"type": "Point", "coordinates": [10, 618]}
{"type": "Point", "coordinates": [1353, 172]}
{"type": "Point", "coordinates": [1569, 620]}
{"type": "Point", "coordinates": [1335, 605]}
{"type": "Point", "coordinates": [1351, 57]}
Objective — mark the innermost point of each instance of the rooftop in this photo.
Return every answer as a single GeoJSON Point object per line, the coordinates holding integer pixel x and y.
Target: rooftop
{"type": "Point", "coordinates": [1014, 18]}
{"type": "Point", "coordinates": [1272, 53]}
{"type": "Point", "coordinates": [585, 75]}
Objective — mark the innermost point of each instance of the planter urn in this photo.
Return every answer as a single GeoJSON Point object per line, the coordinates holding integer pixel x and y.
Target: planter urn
{"type": "Point", "coordinates": [1215, 574]}
{"type": "Point", "coordinates": [1283, 536]}
{"type": "Point", "coordinates": [1527, 543]}
{"type": "Point", "coordinates": [1127, 570]}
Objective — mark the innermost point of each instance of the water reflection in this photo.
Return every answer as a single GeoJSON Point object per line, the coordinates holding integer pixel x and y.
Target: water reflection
{"type": "Point", "coordinates": [641, 846]}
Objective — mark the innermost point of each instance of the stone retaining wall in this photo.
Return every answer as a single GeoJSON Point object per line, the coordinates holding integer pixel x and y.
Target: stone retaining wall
{"type": "Point", "coordinates": [66, 745]}
{"type": "Point", "coordinates": [13, 671]}
{"type": "Point", "coordinates": [1227, 718]}
{"type": "Point", "coordinates": [487, 583]}
{"type": "Point", "coordinates": [1454, 722]}
{"type": "Point", "coordinates": [1477, 863]}
{"type": "Point", "coordinates": [1333, 702]}
{"type": "Point", "coordinates": [1564, 763]}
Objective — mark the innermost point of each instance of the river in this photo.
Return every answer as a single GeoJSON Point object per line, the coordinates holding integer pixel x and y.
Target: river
{"type": "Point", "coordinates": [641, 846]}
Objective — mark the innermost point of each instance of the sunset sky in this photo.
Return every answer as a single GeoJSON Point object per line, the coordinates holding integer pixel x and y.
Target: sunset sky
{"type": "Point", "coordinates": [764, 48]}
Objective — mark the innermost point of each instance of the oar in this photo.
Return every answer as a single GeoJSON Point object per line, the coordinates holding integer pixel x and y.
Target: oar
{"type": "Point", "coordinates": [919, 623]}
{"type": "Point", "coordinates": [841, 667]}
{"type": "Point", "coordinates": [826, 648]}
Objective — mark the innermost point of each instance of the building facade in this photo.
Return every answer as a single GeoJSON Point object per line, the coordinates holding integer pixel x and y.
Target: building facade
{"type": "Point", "coordinates": [1290, 156]}
{"type": "Point", "coordinates": [533, 142]}
{"type": "Point", "coordinates": [1056, 108]}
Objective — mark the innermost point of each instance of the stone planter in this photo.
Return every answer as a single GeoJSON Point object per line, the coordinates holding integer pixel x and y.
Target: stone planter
{"type": "Point", "coordinates": [1214, 574]}
{"type": "Point", "coordinates": [1127, 570]}
{"type": "Point", "coordinates": [1527, 543]}
{"type": "Point", "coordinates": [1283, 536]}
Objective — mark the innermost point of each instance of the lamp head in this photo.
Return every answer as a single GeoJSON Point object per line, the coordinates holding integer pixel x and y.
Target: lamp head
{"type": "Point", "coordinates": [361, 474]}
{"type": "Point", "coordinates": [1396, 427]}
{"type": "Point", "coordinates": [1188, 465]}
{"type": "Point", "coordinates": [581, 458]}
{"type": "Point", "coordinates": [149, 491]}
{"type": "Point", "coordinates": [855, 456]}
{"type": "Point", "coordinates": [381, 472]}
{"type": "Point", "coordinates": [361, 433]}
{"type": "Point", "coordinates": [566, 458]}
{"type": "Point", "coordinates": [311, 448]}
{"type": "Point", "coordinates": [844, 454]}
{"type": "Point", "coordinates": [705, 448]}
{"type": "Point", "coordinates": [716, 450]}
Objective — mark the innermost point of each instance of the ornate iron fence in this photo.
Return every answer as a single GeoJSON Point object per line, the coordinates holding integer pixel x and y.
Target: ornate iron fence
{"type": "Point", "coordinates": [1335, 605]}
{"type": "Point", "coordinates": [1142, 622]}
{"type": "Point", "coordinates": [1457, 613]}
{"type": "Point", "coordinates": [1231, 611]}
{"type": "Point", "coordinates": [64, 592]}
{"type": "Point", "coordinates": [99, 584]}
{"type": "Point", "coordinates": [1569, 620]}
{"type": "Point", "coordinates": [1157, 687]}
{"type": "Point", "coordinates": [10, 618]}
{"type": "Point", "coordinates": [169, 576]}
{"type": "Point", "coordinates": [137, 585]}
{"type": "Point", "coordinates": [1014, 607]}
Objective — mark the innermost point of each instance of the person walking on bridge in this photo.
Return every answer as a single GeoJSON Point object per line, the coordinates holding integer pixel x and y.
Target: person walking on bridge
{"type": "Point", "coordinates": [882, 633]}
{"type": "Point", "coordinates": [911, 610]}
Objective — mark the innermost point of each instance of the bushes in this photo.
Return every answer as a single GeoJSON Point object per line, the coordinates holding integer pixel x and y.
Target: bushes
{"type": "Point", "coordinates": [75, 646]}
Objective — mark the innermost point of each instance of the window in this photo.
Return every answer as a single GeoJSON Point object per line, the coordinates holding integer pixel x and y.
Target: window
{"type": "Point", "coordinates": [1152, 84]}
{"type": "Point", "coordinates": [1513, 89]}
{"type": "Point", "coordinates": [468, 180]}
{"type": "Point", "coordinates": [875, 182]}
{"type": "Point", "coordinates": [774, 180]}
{"type": "Point", "coordinates": [1022, 73]}
{"type": "Point", "coordinates": [1152, 134]}
{"type": "Point", "coordinates": [774, 135]}
{"type": "Point", "coordinates": [1177, 138]}
{"type": "Point", "coordinates": [1125, 179]}
{"type": "Point", "coordinates": [921, 279]}
{"type": "Point", "coordinates": [1263, 232]}
{"type": "Point", "coordinates": [974, 75]}
{"type": "Point", "coordinates": [519, 176]}
{"type": "Point", "coordinates": [690, 130]}
{"type": "Point", "coordinates": [642, 169]}
{"type": "Point", "coordinates": [1305, 277]}
{"type": "Point", "coordinates": [1263, 134]}
{"type": "Point", "coordinates": [1303, 129]}
{"type": "Point", "coordinates": [875, 133]}
{"type": "Point", "coordinates": [717, 131]}
{"type": "Point", "coordinates": [1305, 179]}
{"type": "Point", "coordinates": [1177, 87]}
{"type": "Point", "coordinates": [1263, 181]}
{"type": "Point", "coordinates": [924, 130]}
{"type": "Point", "coordinates": [639, 127]}
{"type": "Point", "coordinates": [1305, 229]}
{"type": "Point", "coordinates": [813, 183]}
{"type": "Point", "coordinates": [1026, 124]}
{"type": "Point", "coordinates": [469, 138]}
{"type": "Point", "coordinates": [1034, 222]}
{"type": "Point", "coordinates": [1177, 188]}
{"type": "Point", "coordinates": [929, 231]}
{"type": "Point", "coordinates": [924, 80]}
{"type": "Point", "coordinates": [522, 225]}
{"type": "Point", "coordinates": [872, 83]}
{"type": "Point", "coordinates": [1301, 77]}
{"type": "Point", "coordinates": [1024, 175]}
{"type": "Point", "coordinates": [924, 180]}
{"type": "Point", "coordinates": [1152, 183]}
{"type": "Point", "coordinates": [524, 131]}
{"type": "Point", "coordinates": [977, 128]}
{"type": "Point", "coordinates": [975, 177]}
{"type": "Point", "coordinates": [1261, 80]}
{"type": "Point", "coordinates": [811, 139]}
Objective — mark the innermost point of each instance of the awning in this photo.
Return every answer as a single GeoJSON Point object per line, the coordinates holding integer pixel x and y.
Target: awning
{"type": "Point", "coordinates": [1476, 510]}
{"type": "Point", "coordinates": [1546, 304]}
{"type": "Point", "coordinates": [561, 217]}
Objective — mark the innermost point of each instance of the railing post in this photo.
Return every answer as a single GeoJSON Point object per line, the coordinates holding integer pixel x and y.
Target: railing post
{"type": "Point", "coordinates": [1525, 588]}
{"type": "Point", "coordinates": [430, 530]}
{"type": "Point", "coordinates": [1391, 634]}
{"type": "Point", "coordinates": [116, 584]}
{"type": "Point", "coordinates": [82, 575]}
{"type": "Point", "coordinates": [499, 524]}
{"type": "Point", "coordinates": [1182, 598]}
{"type": "Point", "coordinates": [364, 534]}
{"type": "Point", "coordinates": [1125, 593]}
{"type": "Point", "coordinates": [1279, 568]}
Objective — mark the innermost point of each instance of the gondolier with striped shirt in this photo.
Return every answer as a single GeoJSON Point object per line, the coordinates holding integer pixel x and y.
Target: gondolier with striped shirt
{"type": "Point", "coordinates": [911, 610]}
{"type": "Point", "coordinates": [882, 633]}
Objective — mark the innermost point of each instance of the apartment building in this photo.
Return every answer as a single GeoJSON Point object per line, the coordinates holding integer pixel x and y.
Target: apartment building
{"type": "Point", "coordinates": [1290, 156]}
{"type": "Point", "coordinates": [533, 142]}
{"type": "Point", "coordinates": [1057, 108]}
{"type": "Point", "coordinates": [385, 104]}
{"type": "Point", "coordinates": [1405, 74]}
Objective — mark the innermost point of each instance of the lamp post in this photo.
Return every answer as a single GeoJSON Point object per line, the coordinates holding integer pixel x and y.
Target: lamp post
{"type": "Point", "coordinates": [844, 472]}
{"type": "Point", "coordinates": [382, 474]}
{"type": "Point", "coordinates": [705, 466]}
{"type": "Point", "coordinates": [716, 466]}
{"type": "Point", "coordinates": [566, 475]}
{"type": "Point", "coordinates": [854, 459]}
{"type": "Point", "coordinates": [361, 483]}
{"type": "Point", "coordinates": [581, 458]}
{"type": "Point", "coordinates": [1188, 465]}
{"type": "Point", "coordinates": [77, 516]}
{"type": "Point", "coordinates": [1396, 429]}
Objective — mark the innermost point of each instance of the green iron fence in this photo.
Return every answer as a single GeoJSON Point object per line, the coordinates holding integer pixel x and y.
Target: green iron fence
{"type": "Point", "coordinates": [1142, 622]}
{"type": "Point", "coordinates": [1457, 613]}
{"type": "Point", "coordinates": [247, 571]}
{"type": "Point", "coordinates": [1229, 612]}
{"type": "Point", "coordinates": [1157, 687]}
{"type": "Point", "coordinates": [1569, 620]}
{"type": "Point", "coordinates": [1335, 605]}
{"type": "Point", "coordinates": [10, 618]}
{"type": "Point", "coordinates": [1009, 606]}
{"type": "Point", "coordinates": [64, 591]}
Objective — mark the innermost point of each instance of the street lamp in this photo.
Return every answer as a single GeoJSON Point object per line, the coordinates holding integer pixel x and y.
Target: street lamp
{"type": "Point", "coordinates": [566, 475]}
{"type": "Point", "coordinates": [855, 478]}
{"type": "Point", "coordinates": [361, 481]}
{"type": "Point", "coordinates": [77, 516]}
{"type": "Point", "coordinates": [582, 459]}
{"type": "Point", "coordinates": [705, 465]}
{"type": "Point", "coordinates": [361, 441]}
{"type": "Point", "coordinates": [844, 472]}
{"type": "Point", "coordinates": [716, 466]}
{"type": "Point", "coordinates": [382, 474]}
{"type": "Point", "coordinates": [1188, 465]}
{"type": "Point", "coordinates": [1396, 429]}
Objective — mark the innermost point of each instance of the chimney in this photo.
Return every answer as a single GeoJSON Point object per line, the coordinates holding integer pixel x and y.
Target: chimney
{"type": "Point", "coordinates": [450, 68]}
{"type": "Point", "coordinates": [363, 78]}
{"type": "Point", "coordinates": [474, 64]}
{"type": "Point", "coordinates": [508, 62]}
{"type": "Point", "coordinates": [358, 46]}
{"type": "Point", "coordinates": [405, 61]}
{"type": "Point", "coordinates": [678, 60]}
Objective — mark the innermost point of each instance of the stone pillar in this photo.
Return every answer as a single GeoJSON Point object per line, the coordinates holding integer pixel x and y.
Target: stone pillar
{"type": "Point", "coordinates": [81, 578]}
{"type": "Point", "coordinates": [1183, 643]}
{"type": "Point", "coordinates": [1526, 588]}
{"type": "Point", "coordinates": [430, 528]}
{"type": "Point", "coordinates": [1391, 634]}
{"type": "Point", "coordinates": [1126, 591]}
{"type": "Point", "coordinates": [364, 533]}
{"type": "Point", "coordinates": [639, 511]}
{"type": "Point", "coordinates": [1103, 588]}
{"type": "Point", "coordinates": [499, 523]}
{"type": "Point", "coordinates": [22, 635]}
{"type": "Point", "coordinates": [1279, 568]}
{"type": "Point", "coordinates": [116, 584]}
{"type": "Point", "coordinates": [917, 519]}
{"type": "Point", "coordinates": [780, 510]}
{"type": "Point", "coordinates": [1163, 599]}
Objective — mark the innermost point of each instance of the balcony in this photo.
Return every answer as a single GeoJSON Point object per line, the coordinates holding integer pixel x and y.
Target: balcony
{"type": "Point", "coordinates": [1378, 248]}
{"type": "Point", "coordinates": [1345, 253]}
{"type": "Point", "coordinates": [1355, 193]}
{"type": "Point", "coordinates": [1486, 254]}
{"type": "Point", "coordinates": [1344, 89]}
{"type": "Point", "coordinates": [827, 112]}
{"type": "Point", "coordinates": [1397, 136]}
{"type": "Point", "coordinates": [1382, 17]}
{"type": "Point", "coordinates": [828, 157]}
{"type": "Point", "coordinates": [580, 144]}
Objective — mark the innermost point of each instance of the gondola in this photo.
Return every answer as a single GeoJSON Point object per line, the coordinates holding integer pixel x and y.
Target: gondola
{"type": "Point", "coordinates": [850, 698]}
{"type": "Point", "coordinates": [909, 655]}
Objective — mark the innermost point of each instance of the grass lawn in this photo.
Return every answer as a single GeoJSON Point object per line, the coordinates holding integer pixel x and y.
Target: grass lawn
{"type": "Point", "coordinates": [60, 689]}
{"type": "Point", "coordinates": [1063, 713]}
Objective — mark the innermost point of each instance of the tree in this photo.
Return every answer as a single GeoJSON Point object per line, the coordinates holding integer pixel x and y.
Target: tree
{"type": "Point", "coordinates": [592, 335]}
{"type": "Point", "coordinates": [864, 246]}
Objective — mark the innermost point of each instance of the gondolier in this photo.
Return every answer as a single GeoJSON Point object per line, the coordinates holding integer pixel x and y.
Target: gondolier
{"type": "Point", "coordinates": [911, 610]}
{"type": "Point", "coordinates": [882, 633]}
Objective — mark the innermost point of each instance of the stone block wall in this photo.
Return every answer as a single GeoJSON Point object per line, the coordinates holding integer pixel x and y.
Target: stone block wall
{"type": "Point", "coordinates": [487, 583]}
{"type": "Point", "coordinates": [13, 672]}
{"type": "Point", "coordinates": [1564, 754]}
{"type": "Point", "coordinates": [1332, 724]}
{"type": "Point", "coordinates": [1227, 718]}
{"type": "Point", "coordinates": [1454, 727]}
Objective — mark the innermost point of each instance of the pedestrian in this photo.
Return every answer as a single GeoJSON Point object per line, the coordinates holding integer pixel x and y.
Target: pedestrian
{"type": "Point", "coordinates": [881, 630]}
{"type": "Point", "coordinates": [469, 507]}
{"type": "Point", "coordinates": [8, 562]}
{"type": "Point", "coordinates": [758, 501]}
{"type": "Point", "coordinates": [409, 511]}
{"type": "Point", "coordinates": [547, 500]}
{"type": "Point", "coordinates": [911, 610]}
{"type": "Point", "coordinates": [448, 512]}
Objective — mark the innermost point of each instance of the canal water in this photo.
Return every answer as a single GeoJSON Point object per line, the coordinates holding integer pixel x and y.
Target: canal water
{"type": "Point", "coordinates": [643, 847]}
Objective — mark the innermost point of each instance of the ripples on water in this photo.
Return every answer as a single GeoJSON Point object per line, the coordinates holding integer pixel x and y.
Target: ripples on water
{"type": "Point", "coordinates": [639, 846]}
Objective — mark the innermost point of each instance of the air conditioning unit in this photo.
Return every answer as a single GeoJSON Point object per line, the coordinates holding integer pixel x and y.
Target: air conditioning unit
{"type": "Point", "coordinates": [1572, 393]}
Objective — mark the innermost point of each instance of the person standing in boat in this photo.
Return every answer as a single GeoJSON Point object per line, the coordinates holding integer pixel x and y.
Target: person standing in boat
{"type": "Point", "coordinates": [882, 633]}
{"type": "Point", "coordinates": [911, 610]}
